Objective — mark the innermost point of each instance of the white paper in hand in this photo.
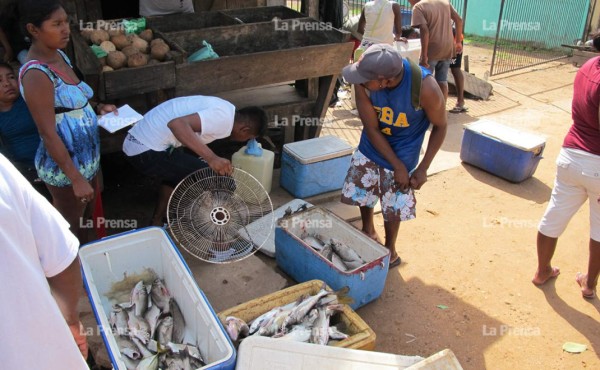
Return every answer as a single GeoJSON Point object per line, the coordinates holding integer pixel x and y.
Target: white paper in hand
{"type": "Point", "coordinates": [126, 117]}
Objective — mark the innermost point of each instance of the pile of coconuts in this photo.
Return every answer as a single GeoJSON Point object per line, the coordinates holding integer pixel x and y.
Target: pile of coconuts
{"type": "Point", "coordinates": [127, 50]}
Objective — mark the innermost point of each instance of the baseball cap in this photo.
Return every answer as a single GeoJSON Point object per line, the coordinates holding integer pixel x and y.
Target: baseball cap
{"type": "Point", "coordinates": [378, 61]}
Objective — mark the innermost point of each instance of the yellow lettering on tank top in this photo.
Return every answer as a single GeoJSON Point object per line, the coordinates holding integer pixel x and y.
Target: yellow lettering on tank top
{"type": "Point", "coordinates": [387, 116]}
{"type": "Point", "coordinates": [401, 121]}
{"type": "Point", "coordinates": [386, 131]}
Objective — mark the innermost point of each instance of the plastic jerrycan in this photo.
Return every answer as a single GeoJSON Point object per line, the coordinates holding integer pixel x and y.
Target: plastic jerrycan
{"type": "Point", "coordinates": [257, 161]}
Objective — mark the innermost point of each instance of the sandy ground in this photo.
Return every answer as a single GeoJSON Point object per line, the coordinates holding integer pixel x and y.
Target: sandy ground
{"type": "Point", "coordinates": [471, 248]}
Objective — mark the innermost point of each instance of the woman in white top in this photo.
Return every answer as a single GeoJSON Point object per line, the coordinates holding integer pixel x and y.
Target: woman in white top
{"type": "Point", "coordinates": [380, 23]}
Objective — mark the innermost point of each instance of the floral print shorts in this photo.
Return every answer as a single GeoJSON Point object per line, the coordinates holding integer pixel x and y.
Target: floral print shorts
{"type": "Point", "coordinates": [367, 182]}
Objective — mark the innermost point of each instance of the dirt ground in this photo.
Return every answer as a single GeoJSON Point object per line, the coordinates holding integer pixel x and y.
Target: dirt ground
{"type": "Point", "coordinates": [471, 248]}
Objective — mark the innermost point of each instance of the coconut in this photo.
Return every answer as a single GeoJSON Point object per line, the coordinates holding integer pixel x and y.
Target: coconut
{"type": "Point", "coordinates": [129, 50]}
{"type": "Point", "coordinates": [87, 34]}
{"type": "Point", "coordinates": [107, 69]}
{"type": "Point", "coordinates": [159, 51]}
{"type": "Point", "coordinates": [115, 30]}
{"type": "Point", "coordinates": [120, 41]}
{"type": "Point", "coordinates": [108, 46]}
{"type": "Point", "coordinates": [116, 59]}
{"type": "Point", "coordinates": [146, 35]}
{"type": "Point", "coordinates": [157, 41]}
{"type": "Point", "coordinates": [137, 60]}
{"type": "Point", "coordinates": [99, 36]}
{"type": "Point", "coordinates": [138, 43]}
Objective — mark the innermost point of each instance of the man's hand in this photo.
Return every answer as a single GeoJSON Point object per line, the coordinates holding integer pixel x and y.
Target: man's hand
{"type": "Point", "coordinates": [80, 339]}
{"type": "Point", "coordinates": [221, 166]}
{"type": "Point", "coordinates": [401, 178]}
{"type": "Point", "coordinates": [424, 61]}
{"type": "Point", "coordinates": [459, 48]}
{"type": "Point", "coordinates": [106, 108]}
{"type": "Point", "coordinates": [400, 39]}
{"type": "Point", "coordinates": [418, 178]}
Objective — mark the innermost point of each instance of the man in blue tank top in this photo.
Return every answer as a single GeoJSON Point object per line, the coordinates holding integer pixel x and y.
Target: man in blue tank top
{"type": "Point", "coordinates": [386, 164]}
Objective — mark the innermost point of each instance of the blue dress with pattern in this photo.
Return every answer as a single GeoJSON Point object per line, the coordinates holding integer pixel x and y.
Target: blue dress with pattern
{"type": "Point", "coordinates": [77, 128]}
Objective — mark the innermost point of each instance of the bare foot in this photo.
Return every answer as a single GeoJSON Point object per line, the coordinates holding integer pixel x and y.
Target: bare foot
{"type": "Point", "coordinates": [542, 277]}
{"type": "Point", "coordinates": [586, 292]}
{"type": "Point", "coordinates": [373, 236]}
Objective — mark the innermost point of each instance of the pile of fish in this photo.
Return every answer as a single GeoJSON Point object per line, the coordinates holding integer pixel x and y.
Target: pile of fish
{"type": "Point", "coordinates": [342, 256]}
{"type": "Point", "coordinates": [149, 331]}
{"type": "Point", "coordinates": [305, 320]}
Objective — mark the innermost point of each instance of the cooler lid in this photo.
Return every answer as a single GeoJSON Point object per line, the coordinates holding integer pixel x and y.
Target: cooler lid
{"type": "Point", "coordinates": [508, 135]}
{"type": "Point", "coordinates": [318, 149]}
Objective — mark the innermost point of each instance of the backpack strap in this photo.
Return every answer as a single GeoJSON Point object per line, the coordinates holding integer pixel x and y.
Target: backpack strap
{"type": "Point", "coordinates": [415, 87]}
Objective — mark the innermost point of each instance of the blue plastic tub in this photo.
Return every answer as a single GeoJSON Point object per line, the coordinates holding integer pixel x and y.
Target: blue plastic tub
{"type": "Point", "coordinates": [303, 263]}
{"type": "Point", "coordinates": [314, 166]}
{"type": "Point", "coordinates": [503, 151]}
{"type": "Point", "coordinates": [406, 15]}
{"type": "Point", "coordinates": [108, 260]}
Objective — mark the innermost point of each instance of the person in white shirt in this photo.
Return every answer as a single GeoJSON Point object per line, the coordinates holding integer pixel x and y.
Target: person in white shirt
{"type": "Point", "coordinates": [380, 23]}
{"type": "Point", "coordinates": [41, 281]}
{"type": "Point", "coordinates": [154, 144]}
{"type": "Point", "coordinates": [162, 7]}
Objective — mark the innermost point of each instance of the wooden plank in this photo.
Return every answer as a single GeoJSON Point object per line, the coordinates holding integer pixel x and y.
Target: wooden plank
{"type": "Point", "coordinates": [85, 60]}
{"type": "Point", "coordinates": [581, 56]}
{"type": "Point", "coordinates": [93, 10]}
{"type": "Point", "coordinates": [312, 8]}
{"type": "Point", "coordinates": [245, 71]}
{"type": "Point", "coordinates": [139, 80]}
{"type": "Point", "coordinates": [473, 85]}
{"type": "Point", "coordinates": [265, 14]}
{"type": "Point", "coordinates": [326, 85]}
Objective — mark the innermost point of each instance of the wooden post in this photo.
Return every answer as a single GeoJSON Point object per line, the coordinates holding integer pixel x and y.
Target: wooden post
{"type": "Point", "coordinates": [466, 63]}
{"type": "Point", "coordinates": [312, 8]}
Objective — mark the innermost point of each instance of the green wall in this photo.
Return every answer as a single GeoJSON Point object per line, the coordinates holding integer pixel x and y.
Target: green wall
{"type": "Point", "coordinates": [549, 22]}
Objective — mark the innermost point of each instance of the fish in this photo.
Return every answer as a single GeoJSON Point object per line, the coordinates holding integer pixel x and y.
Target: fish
{"type": "Point", "coordinates": [194, 354]}
{"type": "Point", "coordinates": [336, 334]}
{"type": "Point", "coordinates": [164, 331]}
{"type": "Point", "coordinates": [149, 363]}
{"type": "Point", "coordinates": [345, 252]}
{"type": "Point", "coordinates": [236, 328]}
{"type": "Point", "coordinates": [129, 363]}
{"type": "Point", "coordinates": [160, 295]}
{"type": "Point", "coordinates": [145, 351]}
{"type": "Point", "coordinates": [178, 322]}
{"type": "Point", "coordinates": [138, 328]}
{"type": "Point", "coordinates": [152, 316]}
{"type": "Point", "coordinates": [139, 298]}
{"type": "Point", "coordinates": [267, 316]}
{"type": "Point", "coordinates": [118, 320]}
{"type": "Point", "coordinates": [327, 252]}
{"type": "Point", "coordinates": [177, 362]}
{"type": "Point", "coordinates": [320, 329]}
{"type": "Point", "coordinates": [309, 319]}
{"type": "Point", "coordinates": [338, 262]}
{"type": "Point", "coordinates": [128, 348]}
{"type": "Point", "coordinates": [299, 333]}
{"type": "Point", "coordinates": [303, 308]}
{"type": "Point", "coordinates": [313, 242]}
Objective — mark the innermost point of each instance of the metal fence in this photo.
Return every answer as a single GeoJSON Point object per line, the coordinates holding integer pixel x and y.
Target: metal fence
{"type": "Point", "coordinates": [529, 33]}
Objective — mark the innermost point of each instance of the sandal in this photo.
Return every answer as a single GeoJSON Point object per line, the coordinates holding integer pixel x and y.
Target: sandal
{"type": "Point", "coordinates": [459, 109]}
{"type": "Point", "coordinates": [396, 262]}
{"type": "Point", "coordinates": [580, 278]}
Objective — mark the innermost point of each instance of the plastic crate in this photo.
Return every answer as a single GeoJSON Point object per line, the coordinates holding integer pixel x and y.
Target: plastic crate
{"type": "Point", "coordinates": [503, 151]}
{"type": "Point", "coordinates": [361, 335]}
{"type": "Point", "coordinates": [314, 166]}
{"type": "Point", "coordinates": [261, 353]}
{"type": "Point", "coordinates": [107, 261]}
{"type": "Point", "coordinates": [303, 263]}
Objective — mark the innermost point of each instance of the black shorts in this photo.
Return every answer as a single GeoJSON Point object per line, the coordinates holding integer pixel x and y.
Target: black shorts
{"type": "Point", "coordinates": [457, 61]}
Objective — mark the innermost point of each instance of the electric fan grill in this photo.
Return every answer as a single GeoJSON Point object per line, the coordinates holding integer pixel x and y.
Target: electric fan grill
{"type": "Point", "coordinates": [208, 214]}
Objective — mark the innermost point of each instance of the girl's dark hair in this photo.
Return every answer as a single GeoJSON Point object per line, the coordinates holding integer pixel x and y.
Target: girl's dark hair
{"type": "Point", "coordinates": [7, 66]}
{"type": "Point", "coordinates": [596, 39]}
{"type": "Point", "coordinates": [36, 12]}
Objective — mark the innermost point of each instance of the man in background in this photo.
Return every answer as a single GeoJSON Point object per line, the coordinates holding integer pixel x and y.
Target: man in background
{"type": "Point", "coordinates": [438, 45]}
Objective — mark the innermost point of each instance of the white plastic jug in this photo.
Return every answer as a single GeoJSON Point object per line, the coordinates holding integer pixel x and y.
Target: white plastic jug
{"type": "Point", "coordinates": [257, 161]}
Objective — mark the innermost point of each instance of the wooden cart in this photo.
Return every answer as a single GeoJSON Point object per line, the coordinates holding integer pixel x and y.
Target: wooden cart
{"type": "Point", "coordinates": [272, 57]}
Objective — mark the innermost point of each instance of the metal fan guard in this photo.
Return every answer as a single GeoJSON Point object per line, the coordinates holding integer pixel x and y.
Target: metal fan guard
{"type": "Point", "coordinates": [208, 214]}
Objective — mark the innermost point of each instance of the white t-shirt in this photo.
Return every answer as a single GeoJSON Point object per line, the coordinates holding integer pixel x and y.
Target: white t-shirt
{"type": "Point", "coordinates": [216, 118]}
{"type": "Point", "coordinates": [35, 243]}
{"type": "Point", "coordinates": [161, 7]}
{"type": "Point", "coordinates": [379, 31]}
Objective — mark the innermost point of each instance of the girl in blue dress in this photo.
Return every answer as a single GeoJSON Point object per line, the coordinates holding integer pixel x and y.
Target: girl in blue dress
{"type": "Point", "coordinates": [68, 158]}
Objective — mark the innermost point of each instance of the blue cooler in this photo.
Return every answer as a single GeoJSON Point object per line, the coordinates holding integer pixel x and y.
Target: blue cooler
{"type": "Point", "coordinates": [314, 166]}
{"type": "Point", "coordinates": [303, 263]}
{"type": "Point", "coordinates": [503, 151]}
